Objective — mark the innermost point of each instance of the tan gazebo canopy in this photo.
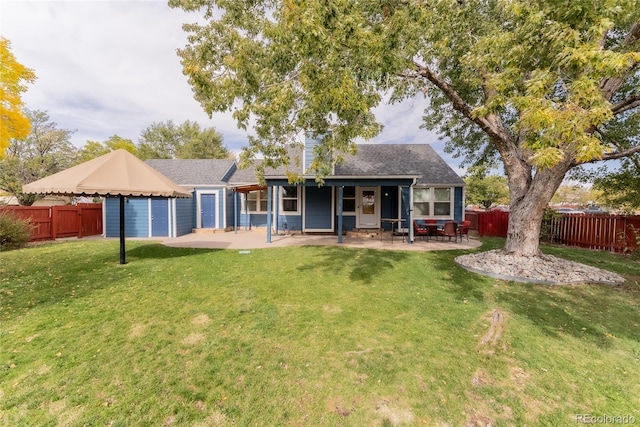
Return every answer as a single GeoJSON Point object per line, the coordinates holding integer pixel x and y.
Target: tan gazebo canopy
{"type": "Point", "coordinates": [118, 173]}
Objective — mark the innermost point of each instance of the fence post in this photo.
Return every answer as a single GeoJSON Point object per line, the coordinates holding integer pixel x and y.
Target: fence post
{"type": "Point", "coordinates": [53, 214]}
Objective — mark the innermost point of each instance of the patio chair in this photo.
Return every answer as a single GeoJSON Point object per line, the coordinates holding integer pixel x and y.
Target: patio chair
{"type": "Point", "coordinates": [463, 229]}
{"type": "Point", "coordinates": [420, 230]}
{"type": "Point", "coordinates": [449, 230]}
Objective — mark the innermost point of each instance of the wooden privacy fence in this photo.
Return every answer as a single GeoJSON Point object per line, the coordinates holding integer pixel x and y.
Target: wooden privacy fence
{"type": "Point", "coordinates": [616, 233]}
{"type": "Point", "coordinates": [52, 222]}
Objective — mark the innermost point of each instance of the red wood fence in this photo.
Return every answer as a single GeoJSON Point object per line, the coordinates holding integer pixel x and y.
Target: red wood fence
{"type": "Point", "coordinates": [52, 222]}
{"type": "Point", "coordinates": [617, 233]}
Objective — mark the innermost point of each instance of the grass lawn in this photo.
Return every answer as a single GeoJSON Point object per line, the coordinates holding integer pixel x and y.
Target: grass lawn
{"type": "Point", "coordinates": [323, 336]}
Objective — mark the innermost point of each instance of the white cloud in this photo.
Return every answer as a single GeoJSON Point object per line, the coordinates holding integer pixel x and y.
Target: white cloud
{"type": "Point", "coordinates": [110, 67]}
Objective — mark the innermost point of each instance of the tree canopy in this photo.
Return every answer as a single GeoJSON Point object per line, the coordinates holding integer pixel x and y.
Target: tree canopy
{"type": "Point", "coordinates": [538, 86]}
{"type": "Point", "coordinates": [166, 140]}
{"type": "Point", "coordinates": [13, 79]}
{"type": "Point", "coordinates": [46, 150]}
{"type": "Point", "coordinates": [93, 149]}
{"type": "Point", "coordinates": [486, 191]}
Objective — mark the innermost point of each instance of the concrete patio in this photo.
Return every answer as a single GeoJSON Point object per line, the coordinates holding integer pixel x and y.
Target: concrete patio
{"type": "Point", "coordinates": [254, 239]}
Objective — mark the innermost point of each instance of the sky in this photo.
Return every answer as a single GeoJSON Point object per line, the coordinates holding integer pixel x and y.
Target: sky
{"type": "Point", "coordinates": [110, 67]}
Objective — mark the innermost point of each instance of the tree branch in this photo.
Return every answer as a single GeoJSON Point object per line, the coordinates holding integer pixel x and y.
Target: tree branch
{"type": "Point", "coordinates": [487, 124]}
{"type": "Point", "coordinates": [627, 104]}
{"type": "Point", "coordinates": [610, 86]}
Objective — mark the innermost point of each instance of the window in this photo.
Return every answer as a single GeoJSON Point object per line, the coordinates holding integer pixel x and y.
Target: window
{"type": "Point", "coordinates": [348, 200]}
{"type": "Point", "coordinates": [289, 199]}
{"type": "Point", "coordinates": [442, 202]}
{"type": "Point", "coordinates": [432, 202]}
{"type": "Point", "coordinates": [257, 201]}
{"type": "Point", "coordinates": [421, 199]}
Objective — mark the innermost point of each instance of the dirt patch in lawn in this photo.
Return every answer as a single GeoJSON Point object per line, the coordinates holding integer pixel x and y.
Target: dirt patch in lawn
{"type": "Point", "coordinates": [201, 320]}
{"type": "Point", "coordinates": [193, 338]}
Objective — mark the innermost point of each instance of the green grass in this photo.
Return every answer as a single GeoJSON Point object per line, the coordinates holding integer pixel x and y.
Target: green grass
{"type": "Point", "coordinates": [322, 336]}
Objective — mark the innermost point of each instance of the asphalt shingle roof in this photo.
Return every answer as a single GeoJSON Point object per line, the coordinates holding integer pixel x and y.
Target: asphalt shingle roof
{"type": "Point", "coordinates": [193, 172]}
{"type": "Point", "coordinates": [399, 159]}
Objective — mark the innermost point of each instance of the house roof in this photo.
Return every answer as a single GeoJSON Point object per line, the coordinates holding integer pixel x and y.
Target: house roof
{"type": "Point", "coordinates": [194, 172]}
{"type": "Point", "coordinates": [418, 160]}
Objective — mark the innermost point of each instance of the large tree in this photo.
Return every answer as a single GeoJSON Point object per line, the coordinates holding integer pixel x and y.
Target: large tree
{"type": "Point", "coordinates": [166, 140]}
{"type": "Point", "coordinates": [13, 79]}
{"type": "Point", "coordinates": [46, 150]}
{"type": "Point", "coordinates": [533, 84]}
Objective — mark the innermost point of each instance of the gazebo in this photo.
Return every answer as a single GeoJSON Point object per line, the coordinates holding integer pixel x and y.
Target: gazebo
{"type": "Point", "coordinates": [118, 173]}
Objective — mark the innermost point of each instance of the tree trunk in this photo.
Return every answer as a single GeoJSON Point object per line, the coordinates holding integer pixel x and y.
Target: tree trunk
{"type": "Point", "coordinates": [526, 211]}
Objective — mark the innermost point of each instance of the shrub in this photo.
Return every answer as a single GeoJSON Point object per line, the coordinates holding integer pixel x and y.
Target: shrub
{"type": "Point", "coordinates": [14, 232]}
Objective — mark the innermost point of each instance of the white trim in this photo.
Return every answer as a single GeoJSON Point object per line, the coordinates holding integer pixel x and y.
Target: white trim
{"type": "Point", "coordinates": [281, 210]}
{"type": "Point", "coordinates": [224, 208]}
{"type": "Point", "coordinates": [173, 219]}
{"type": "Point", "coordinates": [150, 216]}
{"type": "Point", "coordinates": [432, 202]}
{"type": "Point", "coordinates": [199, 194]}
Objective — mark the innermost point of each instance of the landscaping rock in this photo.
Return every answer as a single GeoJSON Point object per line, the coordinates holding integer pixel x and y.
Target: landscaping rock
{"type": "Point", "coordinates": [546, 269]}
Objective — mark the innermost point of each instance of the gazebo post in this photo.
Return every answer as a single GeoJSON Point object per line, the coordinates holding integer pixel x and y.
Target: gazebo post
{"type": "Point", "coordinates": [122, 256]}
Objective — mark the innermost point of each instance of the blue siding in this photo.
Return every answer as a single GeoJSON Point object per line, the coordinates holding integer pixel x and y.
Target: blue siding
{"type": "Point", "coordinates": [136, 217]}
{"type": "Point", "coordinates": [458, 205]}
{"type": "Point", "coordinates": [309, 145]}
{"type": "Point", "coordinates": [317, 207]}
{"type": "Point", "coordinates": [293, 222]}
{"type": "Point", "coordinates": [348, 223]}
{"type": "Point", "coordinates": [185, 218]}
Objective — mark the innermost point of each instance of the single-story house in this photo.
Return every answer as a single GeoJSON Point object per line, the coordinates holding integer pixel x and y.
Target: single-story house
{"type": "Point", "coordinates": [381, 182]}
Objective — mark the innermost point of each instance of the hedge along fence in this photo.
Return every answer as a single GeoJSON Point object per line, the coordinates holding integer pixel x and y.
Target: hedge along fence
{"type": "Point", "coordinates": [616, 233]}
{"type": "Point", "coordinates": [52, 222]}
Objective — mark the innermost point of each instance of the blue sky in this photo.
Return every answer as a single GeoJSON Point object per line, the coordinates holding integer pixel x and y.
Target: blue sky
{"type": "Point", "coordinates": [110, 67]}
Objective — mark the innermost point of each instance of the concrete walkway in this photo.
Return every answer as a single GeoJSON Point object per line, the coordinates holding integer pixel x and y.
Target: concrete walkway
{"type": "Point", "coordinates": [258, 239]}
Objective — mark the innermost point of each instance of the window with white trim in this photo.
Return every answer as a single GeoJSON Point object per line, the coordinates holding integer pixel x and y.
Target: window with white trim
{"type": "Point", "coordinates": [421, 202]}
{"type": "Point", "coordinates": [430, 202]}
{"type": "Point", "coordinates": [442, 202]}
{"type": "Point", "coordinates": [289, 199]}
{"type": "Point", "coordinates": [257, 201]}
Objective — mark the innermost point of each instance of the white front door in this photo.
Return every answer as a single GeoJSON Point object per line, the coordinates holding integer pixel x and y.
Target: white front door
{"type": "Point", "coordinates": [368, 207]}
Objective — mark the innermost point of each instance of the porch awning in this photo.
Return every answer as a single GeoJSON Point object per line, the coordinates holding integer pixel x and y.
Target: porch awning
{"type": "Point", "coordinates": [249, 188]}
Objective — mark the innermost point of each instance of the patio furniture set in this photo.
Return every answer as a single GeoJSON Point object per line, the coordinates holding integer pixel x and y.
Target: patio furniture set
{"type": "Point", "coordinates": [450, 229]}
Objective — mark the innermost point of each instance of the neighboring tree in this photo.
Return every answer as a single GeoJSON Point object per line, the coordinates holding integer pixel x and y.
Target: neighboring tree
{"type": "Point", "coordinates": [46, 150]}
{"type": "Point", "coordinates": [93, 149]}
{"type": "Point", "coordinates": [532, 84]}
{"type": "Point", "coordinates": [13, 78]}
{"type": "Point", "coordinates": [487, 191]}
{"type": "Point", "coordinates": [621, 189]}
{"type": "Point", "coordinates": [573, 194]}
{"type": "Point", "coordinates": [165, 140]}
